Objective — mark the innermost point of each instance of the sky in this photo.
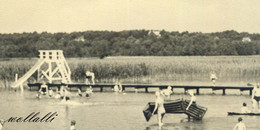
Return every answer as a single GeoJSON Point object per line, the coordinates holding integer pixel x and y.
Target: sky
{"type": "Point", "coordinates": [18, 16]}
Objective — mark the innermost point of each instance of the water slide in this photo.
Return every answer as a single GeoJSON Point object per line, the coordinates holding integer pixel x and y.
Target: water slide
{"type": "Point", "coordinates": [28, 74]}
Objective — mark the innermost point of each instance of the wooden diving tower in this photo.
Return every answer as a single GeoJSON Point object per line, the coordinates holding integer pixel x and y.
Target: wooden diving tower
{"type": "Point", "coordinates": [51, 66]}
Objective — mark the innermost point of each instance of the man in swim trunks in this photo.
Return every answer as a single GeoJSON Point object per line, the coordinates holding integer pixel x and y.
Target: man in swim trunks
{"type": "Point", "coordinates": [256, 95]}
{"type": "Point", "coordinates": [159, 107]}
{"type": "Point", "coordinates": [43, 90]}
{"type": "Point", "coordinates": [90, 77]}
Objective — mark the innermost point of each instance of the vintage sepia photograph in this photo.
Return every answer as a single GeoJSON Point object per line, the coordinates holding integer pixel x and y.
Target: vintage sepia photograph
{"type": "Point", "coordinates": [129, 65]}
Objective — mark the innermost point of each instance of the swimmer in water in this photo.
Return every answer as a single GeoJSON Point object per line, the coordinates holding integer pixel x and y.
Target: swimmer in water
{"type": "Point", "coordinates": [159, 107]}
{"type": "Point", "coordinates": [2, 123]}
{"type": "Point", "coordinates": [79, 92]}
{"type": "Point", "coordinates": [89, 91]}
{"type": "Point", "coordinates": [43, 90]}
{"type": "Point", "coordinates": [244, 109]}
{"type": "Point", "coordinates": [167, 92]}
{"type": "Point", "coordinates": [90, 77]}
{"type": "Point", "coordinates": [192, 99]}
{"type": "Point", "coordinates": [256, 96]}
{"type": "Point", "coordinates": [240, 125]}
{"type": "Point", "coordinates": [72, 125]}
{"type": "Point", "coordinates": [51, 93]}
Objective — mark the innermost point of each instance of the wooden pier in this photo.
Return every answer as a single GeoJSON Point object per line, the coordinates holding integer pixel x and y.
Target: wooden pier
{"type": "Point", "coordinates": [146, 86]}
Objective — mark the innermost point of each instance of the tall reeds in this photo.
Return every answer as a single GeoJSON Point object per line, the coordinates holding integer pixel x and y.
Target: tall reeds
{"type": "Point", "coordinates": [149, 69]}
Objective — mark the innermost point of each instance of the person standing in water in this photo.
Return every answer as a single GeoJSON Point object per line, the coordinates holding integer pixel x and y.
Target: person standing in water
{"type": "Point", "coordinates": [43, 90]}
{"type": "Point", "coordinates": [90, 77]}
{"type": "Point", "coordinates": [159, 107]}
{"type": "Point", "coordinates": [240, 125]}
{"type": "Point", "coordinates": [2, 123]}
{"type": "Point", "coordinates": [192, 99]}
{"type": "Point", "coordinates": [256, 96]}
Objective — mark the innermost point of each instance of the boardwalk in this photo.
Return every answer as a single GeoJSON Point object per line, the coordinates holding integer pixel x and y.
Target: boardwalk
{"type": "Point", "coordinates": [147, 86]}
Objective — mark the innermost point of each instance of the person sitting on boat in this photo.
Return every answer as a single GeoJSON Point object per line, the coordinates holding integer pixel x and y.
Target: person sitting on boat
{"type": "Point", "coordinates": [43, 90]}
{"type": "Point", "coordinates": [72, 125]}
{"type": "Point", "coordinates": [90, 77]}
{"type": "Point", "coordinates": [256, 96]}
{"type": "Point", "coordinates": [192, 99]}
{"type": "Point", "coordinates": [89, 91]}
{"type": "Point", "coordinates": [244, 109]}
{"type": "Point", "coordinates": [159, 106]}
{"type": "Point", "coordinates": [167, 92]}
{"type": "Point", "coordinates": [240, 125]}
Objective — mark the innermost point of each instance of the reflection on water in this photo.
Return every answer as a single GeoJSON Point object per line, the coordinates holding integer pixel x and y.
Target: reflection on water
{"type": "Point", "coordinates": [110, 111]}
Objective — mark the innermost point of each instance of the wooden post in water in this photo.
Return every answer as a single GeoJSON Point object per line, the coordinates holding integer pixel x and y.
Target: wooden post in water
{"type": "Point", "coordinates": [250, 92]}
{"type": "Point", "coordinates": [146, 89]}
{"type": "Point", "coordinates": [101, 89]}
{"type": "Point", "coordinates": [224, 91]}
{"type": "Point", "coordinates": [198, 91]}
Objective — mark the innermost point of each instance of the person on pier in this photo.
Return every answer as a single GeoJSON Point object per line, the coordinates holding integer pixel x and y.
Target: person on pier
{"type": "Point", "coordinates": [159, 107]}
{"type": "Point", "coordinates": [256, 96]}
{"type": "Point", "coordinates": [118, 87]}
{"type": "Point", "coordinates": [213, 78]}
{"type": "Point", "coordinates": [192, 99]}
{"type": "Point", "coordinates": [90, 77]}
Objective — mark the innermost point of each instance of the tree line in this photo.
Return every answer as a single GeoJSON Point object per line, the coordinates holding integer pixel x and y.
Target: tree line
{"type": "Point", "coordinates": [130, 43]}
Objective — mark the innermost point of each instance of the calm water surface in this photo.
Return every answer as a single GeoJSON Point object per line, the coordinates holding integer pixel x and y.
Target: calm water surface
{"type": "Point", "coordinates": [112, 111]}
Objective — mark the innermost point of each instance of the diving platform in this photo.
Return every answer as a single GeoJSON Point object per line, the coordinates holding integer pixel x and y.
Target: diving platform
{"type": "Point", "coordinates": [197, 89]}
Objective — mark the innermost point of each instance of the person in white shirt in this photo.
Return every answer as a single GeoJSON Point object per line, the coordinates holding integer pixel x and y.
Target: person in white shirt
{"type": "Point", "coordinates": [240, 125]}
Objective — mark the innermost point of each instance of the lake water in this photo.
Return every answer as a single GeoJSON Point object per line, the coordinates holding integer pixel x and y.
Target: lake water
{"type": "Point", "coordinates": [113, 111]}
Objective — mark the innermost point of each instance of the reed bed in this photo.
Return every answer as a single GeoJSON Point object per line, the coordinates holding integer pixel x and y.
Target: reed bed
{"type": "Point", "coordinates": [150, 70]}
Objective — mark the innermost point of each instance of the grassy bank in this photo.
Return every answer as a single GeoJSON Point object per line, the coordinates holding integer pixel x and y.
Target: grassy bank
{"type": "Point", "coordinates": [179, 69]}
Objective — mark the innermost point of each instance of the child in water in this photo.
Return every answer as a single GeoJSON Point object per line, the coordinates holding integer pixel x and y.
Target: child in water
{"type": "Point", "coordinates": [2, 123]}
{"type": "Point", "coordinates": [72, 125]}
{"type": "Point", "coordinates": [244, 109]}
{"type": "Point", "coordinates": [240, 125]}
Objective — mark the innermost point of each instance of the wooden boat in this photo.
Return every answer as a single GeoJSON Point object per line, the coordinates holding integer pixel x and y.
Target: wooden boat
{"type": "Point", "coordinates": [238, 113]}
{"type": "Point", "coordinates": [176, 107]}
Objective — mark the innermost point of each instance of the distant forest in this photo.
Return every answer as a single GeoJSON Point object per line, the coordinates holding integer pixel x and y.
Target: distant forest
{"type": "Point", "coordinates": [130, 43]}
